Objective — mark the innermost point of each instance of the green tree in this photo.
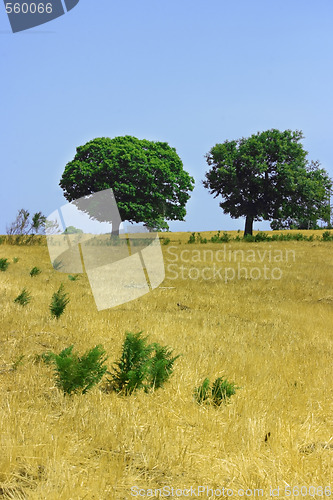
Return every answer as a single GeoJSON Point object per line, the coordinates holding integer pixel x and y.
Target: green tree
{"type": "Point", "coordinates": [267, 176]}
{"type": "Point", "coordinates": [72, 230]}
{"type": "Point", "coordinates": [147, 178]}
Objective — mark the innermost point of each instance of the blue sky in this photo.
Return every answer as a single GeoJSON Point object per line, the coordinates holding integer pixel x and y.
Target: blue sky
{"type": "Point", "coordinates": [188, 72]}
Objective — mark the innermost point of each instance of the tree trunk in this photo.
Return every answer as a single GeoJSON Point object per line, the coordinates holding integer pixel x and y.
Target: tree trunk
{"type": "Point", "coordinates": [248, 225]}
{"type": "Point", "coordinates": [115, 228]}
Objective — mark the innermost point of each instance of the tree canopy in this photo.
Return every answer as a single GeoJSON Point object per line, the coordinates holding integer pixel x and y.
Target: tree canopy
{"type": "Point", "coordinates": [267, 176]}
{"type": "Point", "coordinates": [147, 178]}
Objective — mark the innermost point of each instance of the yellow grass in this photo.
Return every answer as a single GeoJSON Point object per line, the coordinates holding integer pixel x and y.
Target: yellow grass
{"type": "Point", "coordinates": [272, 337]}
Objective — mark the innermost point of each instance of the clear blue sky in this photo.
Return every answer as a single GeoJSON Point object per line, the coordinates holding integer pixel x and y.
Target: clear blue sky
{"type": "Point", "coordinates": [188, 72]}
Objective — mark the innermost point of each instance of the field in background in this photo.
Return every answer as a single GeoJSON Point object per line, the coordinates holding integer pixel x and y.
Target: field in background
{"type": "Point", "coordinates": [272, 337]}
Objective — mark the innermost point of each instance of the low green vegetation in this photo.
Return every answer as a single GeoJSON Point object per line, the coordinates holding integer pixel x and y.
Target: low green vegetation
{"type": "Point", "coordinates": [219, 392]}
{"type": "Point", "coordinates": [23, 298]}
{"type": "Point", "coordinates": [4, 264]}
{"type": "Point", "coordinates": [259, 237]}
{"type": "Point", "coordinates": [77, 374]}
{"type": "Point", "coordinates": [35, 271]}
{"type": "Point", "coordinates": [141, 365]}
{"type": "Point", "coordinates": [59, 302]}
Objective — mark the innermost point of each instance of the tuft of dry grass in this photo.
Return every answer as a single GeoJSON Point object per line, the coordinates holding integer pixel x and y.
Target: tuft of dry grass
{"type": "Point", "coordinates": [272, 337]}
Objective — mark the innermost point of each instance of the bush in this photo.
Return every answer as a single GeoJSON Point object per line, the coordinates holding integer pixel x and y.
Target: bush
{"type": "Point", "coordinates": [59, 302]}
{"type": "Point", "coordinates": [191, 238]}
{"type": "Point", "coordinates": [220, 239]}
{"type": "Point", "coordinates": [327, 236]}
{"type": "Point", "coordinates": [4, 264]}
{"type": "Point", "coordinates": [24, 298]}
{"type": "Point", "coordinates": [219, 393]}
{"type": "Point", "coordinates": [35, 271]}
{"type": "Point", "coordinates": [166, 241]}
{"type": "Point", "coordinates": [15, 260]}
{"type": "Point", "coordinates": [261, 236]}
{"type": "Point", "coordinates": [141, 365]}
{"type": "Point", "coordinates": [73, 277]}
{"type": "Point", "coordinates": [74, 373]}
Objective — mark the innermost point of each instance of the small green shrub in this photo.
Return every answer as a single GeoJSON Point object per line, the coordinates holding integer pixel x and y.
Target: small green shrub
{"type": "Point", "coordinates": [59, 302]}
{"type": "Point", "coordinates": [218, 393]}
{"type": "Point", "coordinates": [166, 241]}
{"type": "Point", "coordinates": [249, 238]}
{"type": "Point", "coordinates": [74, 373]}
{"type": "Point", "coordinates": [161, 366]}
{"type": "Point", "coordinates": [222, 390]}
{"type": "Point", "coordinates": [141, 365]}
{"type": "Point", "coordinates": [35, 271]}
{"type": "Point", "coordinates": [24, 298]}
{"type": "Point", "coordinates": [191, 238]}
{"type": "Point", "coordinates": [327, 236]}
{"type": "Point", "coordinates": [4, 264]}
{"type": "Point", "coordinates": [15, 260]}
{"type": "Point", "coordinates": [202, 392]}
{"type": "Point", "coordinates": [261, 236]}
{"type": "Point", "coordinates": [73, 277]}
{"type": "Point", "coordinates": [217, 238]}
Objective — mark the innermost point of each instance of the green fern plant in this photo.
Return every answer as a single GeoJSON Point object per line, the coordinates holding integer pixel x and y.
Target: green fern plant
{"type": "Point", "coordinates": [141, 365]}
{"type": "Point", "coordinates": [73, 277]}
{"type": "Point", "coordinates": [4, 264]}
{"type": "Point", "coordinates": [161, 366]}
{"type": "Point", "coordinates": [23, 298]}
{"type": "Point", "coordinates": [59, 302]}
{"type": "Point", "coordinates": [35, 271]}
{"type": "Point", "coordinates": [202, 392]}
{"type": "Point", "coordinates": [131, 370]}
{"type": "Point", "coordinates": [77, 374]}
{"type": "Point", "coordinates": [220, 392]}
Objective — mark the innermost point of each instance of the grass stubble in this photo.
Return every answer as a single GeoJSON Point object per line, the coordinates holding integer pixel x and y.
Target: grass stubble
{"type": "Point", "coordinates": [273, 338]}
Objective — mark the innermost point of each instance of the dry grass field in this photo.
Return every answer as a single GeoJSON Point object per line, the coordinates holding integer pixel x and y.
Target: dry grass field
{"type": "Point", "coordinates": [270, 334]}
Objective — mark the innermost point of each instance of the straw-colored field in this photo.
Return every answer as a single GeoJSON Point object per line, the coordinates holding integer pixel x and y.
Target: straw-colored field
{"type": "Point", "coordinates": [271, 334]}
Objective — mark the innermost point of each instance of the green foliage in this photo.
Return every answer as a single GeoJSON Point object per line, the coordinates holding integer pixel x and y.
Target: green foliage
{"type": "Point", "coordinates": [156, 225]}
{"type": "Point", "coordinates": [59, 302]}
{"type": "Point", "coordinates": [327, 236]}
{"type": "Point", "coordinates": [220, 392]}
{"type": "Point", "coordinates": [202, 392]}
{"type": "Point", "coordinates": [161, 366]}
{"type": "Point", "coordinates": [141, 365]}
{"type": "Point", "coordinates": [72, 230]}
{"type": "Point", "coordinates": [23, 298]}
{"type": "Point", "coordinates": [4, 264]}
{"type": "Point", "coordinates": [165, 241]}
{"type": "Point", "coordinates": [35, 271]}
{"type": "Point", "coordinates": [191, 238]}
{"type": "Point", "coordinates": [197, 239]}
{"type": "Point", "coordinates": [147, 178]}
{"type": "Point", "coordinates": [74, 373]}
{"type": "Point", "coordinates": [73, 277]}
{"type": "Point", "coordinates": [267, 176]}
{"type": "Point", "coordinates": [217, 238]}
{"type": "Point", "coordinates": [15, 260]}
